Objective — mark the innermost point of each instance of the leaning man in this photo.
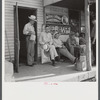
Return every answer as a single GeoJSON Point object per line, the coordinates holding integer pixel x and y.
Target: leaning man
{"type": "Point", "coordinates": [29, 31]}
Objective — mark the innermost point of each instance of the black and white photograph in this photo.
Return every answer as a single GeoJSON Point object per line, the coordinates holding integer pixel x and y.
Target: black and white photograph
{"type": "Point", "coordinates": [50, 49]}
{"type": "Point", "coordinates": [50, 41]}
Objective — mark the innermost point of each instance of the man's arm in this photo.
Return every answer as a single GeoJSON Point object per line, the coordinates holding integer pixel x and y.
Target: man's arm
{"type": "Point", "coordinates": [25, 30]}
{"type": "Point", "coordinates": [41, 39]}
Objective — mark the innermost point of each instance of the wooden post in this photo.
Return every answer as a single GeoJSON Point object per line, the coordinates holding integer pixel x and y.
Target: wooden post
{"type": "Point", "coordinates": [17, 43]}
{"type": "Point", "coordinates": [88, 41]}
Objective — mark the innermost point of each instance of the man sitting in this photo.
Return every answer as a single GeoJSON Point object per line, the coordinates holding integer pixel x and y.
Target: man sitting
{"type": "Point", "coordinates": [62, 49]}
{"type": "Point", "coordinates": [72, 45]}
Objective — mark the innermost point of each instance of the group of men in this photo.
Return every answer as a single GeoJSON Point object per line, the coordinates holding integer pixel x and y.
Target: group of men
{"type": "Point", "coordinates": [67, 49]}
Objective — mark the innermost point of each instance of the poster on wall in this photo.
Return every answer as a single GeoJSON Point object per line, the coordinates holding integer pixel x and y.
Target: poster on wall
{"type": "Point", "coordinates": [57, 19]}
{"type": "Point", "coordinates": [63, 30]}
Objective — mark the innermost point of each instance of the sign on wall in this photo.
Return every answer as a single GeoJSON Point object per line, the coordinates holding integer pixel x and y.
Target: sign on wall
{"type": "Point", "coordinates": [64, 30]}
{"type": "Point", "coordinates": [57, 19]}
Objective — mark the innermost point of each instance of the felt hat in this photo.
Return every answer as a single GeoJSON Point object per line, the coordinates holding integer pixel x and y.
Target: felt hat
{"type": "Point", "coordinates": [32, 17]}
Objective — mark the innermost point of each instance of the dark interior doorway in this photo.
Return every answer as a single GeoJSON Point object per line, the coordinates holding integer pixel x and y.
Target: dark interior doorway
{"type": "Point", "coordinates": [74, 17]}
{"type": "Point", "coordinates": [23, 14]}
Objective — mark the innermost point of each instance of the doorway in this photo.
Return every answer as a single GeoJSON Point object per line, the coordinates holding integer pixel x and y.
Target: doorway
{"type": "Point", "coordinates": [23, 14]}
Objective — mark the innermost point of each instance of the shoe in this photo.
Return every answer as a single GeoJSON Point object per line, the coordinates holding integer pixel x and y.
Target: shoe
{"type": "Point", "coordinates": [34, 63]}
{"type": "Point", "coordinates": [58, 58]}
{"type": "Point", "coordinates": [53, 62]}
{"type": "Point", "coordinates": [30, 65]}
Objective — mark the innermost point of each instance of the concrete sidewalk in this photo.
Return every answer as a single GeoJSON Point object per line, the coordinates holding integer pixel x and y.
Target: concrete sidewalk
{"type": "Point", "coordinates": [47, 73]}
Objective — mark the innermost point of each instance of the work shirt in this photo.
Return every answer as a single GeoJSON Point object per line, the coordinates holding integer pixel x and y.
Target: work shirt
{"type": "Point", "coordinates": [29, 28]}
{"type": "Point", "coordinates": [45, 38]}
{"type": "Point", "coordinates": [71, 42]}
{"type": "Point", "coordinates": [57, 43]}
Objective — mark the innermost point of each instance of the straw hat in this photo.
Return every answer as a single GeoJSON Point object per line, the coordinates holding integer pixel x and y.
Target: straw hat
{"type": "Point", "coordinates": [46, 47]}
{"type": "Point", "coordinates": [32, 17]}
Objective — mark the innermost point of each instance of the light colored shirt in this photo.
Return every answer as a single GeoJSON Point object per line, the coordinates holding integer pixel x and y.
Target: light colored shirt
{"type": "Point", "coordinates": [77, 40]}
{"type": "Point", "coordinates": [57, 42]}
{"type": "Point", "coordinates": [45, 38]}
{"type": "Point", "coordinates": [29, 28]}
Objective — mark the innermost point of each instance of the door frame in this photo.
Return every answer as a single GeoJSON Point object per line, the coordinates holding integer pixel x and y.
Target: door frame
{"type": "Point", "coordinates": [16, 57]}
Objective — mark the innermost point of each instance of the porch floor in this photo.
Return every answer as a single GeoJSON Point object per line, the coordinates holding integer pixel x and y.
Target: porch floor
{"type": "Point", "coordinates": [62, 72]}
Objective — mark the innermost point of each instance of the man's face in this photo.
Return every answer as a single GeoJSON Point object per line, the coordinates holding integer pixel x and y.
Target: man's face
{"type": "Point", "coordinates": [57, 36]}
{"type": "Point", "coordinates": [77, 34]}
{"type": "Point", "coordinates": [72, 36]}
{"type": "Point", "coordinates": [47, 29]}
{"type": "Point", "coordinates": [32, 22]}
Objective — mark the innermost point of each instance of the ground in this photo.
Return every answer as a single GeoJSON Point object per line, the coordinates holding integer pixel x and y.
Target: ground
{"type": "Point", "coordinates": [62, 72]}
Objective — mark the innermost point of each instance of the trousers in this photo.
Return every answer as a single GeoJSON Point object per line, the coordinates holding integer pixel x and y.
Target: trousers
{"type": "Point", "coordinates": [30, 50]}
{"type": "Point", "coordinates": [66, 53]}
{"type": "Point", "coordinates": [53, 52]}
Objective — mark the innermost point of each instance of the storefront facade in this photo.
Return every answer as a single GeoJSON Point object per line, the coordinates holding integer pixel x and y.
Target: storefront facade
{"type": "Point", "coordinates": [53, 15]}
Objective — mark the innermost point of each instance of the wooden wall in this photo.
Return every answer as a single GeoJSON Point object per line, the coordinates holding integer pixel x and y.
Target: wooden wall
{"type": "Point", "coordinates": [9, 21]}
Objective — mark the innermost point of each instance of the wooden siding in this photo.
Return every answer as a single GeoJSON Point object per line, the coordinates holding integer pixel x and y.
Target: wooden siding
{"type": "Point", "coordinates": [9, 22]}
{"type": "Point", "coordinates": [48, 2]}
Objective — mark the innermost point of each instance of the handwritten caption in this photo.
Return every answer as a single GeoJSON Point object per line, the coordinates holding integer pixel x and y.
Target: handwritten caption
{"type": "Point", "coordinates": [50, 83]}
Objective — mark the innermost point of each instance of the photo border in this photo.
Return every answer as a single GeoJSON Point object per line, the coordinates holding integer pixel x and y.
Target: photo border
{"type": "Point", "coordinates": [0, 49]}
{"type": "Point", "coordinates": [98, 75]}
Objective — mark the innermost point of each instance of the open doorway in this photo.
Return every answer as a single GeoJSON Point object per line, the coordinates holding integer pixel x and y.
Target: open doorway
{"type": "Point", "coordinates": [23, 14]}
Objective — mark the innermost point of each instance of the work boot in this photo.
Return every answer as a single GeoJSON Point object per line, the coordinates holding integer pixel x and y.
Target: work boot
{"type": "Point", "coordinates": [53, 62]}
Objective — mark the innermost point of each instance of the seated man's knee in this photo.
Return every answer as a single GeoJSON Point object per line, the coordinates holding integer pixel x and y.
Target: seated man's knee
{"type": "Point", "coordinates": [52, 46]}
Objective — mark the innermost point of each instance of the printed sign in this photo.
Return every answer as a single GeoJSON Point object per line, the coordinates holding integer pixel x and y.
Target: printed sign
{"type": "Point", "coordinates": [56, 19]}
{"type": "Point", "coordinates": [61, 29]}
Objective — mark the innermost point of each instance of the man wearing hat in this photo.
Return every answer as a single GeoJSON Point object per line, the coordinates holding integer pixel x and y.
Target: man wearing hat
{"type": "Point", "coordinates": [29, 31]}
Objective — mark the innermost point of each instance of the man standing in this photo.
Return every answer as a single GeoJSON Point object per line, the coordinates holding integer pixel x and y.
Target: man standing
{"type": "Point", "coordinates": [93, 41]}
{"type": "Point", "coordinates": [29, 31]}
